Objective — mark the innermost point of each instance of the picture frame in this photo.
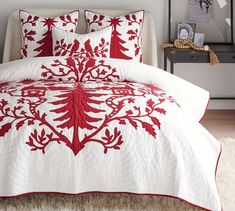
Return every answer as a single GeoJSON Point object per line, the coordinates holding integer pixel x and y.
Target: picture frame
{"type": "Point", "coordinates": [186, 30]}
{"type": "Point", "coordinates": [217, 24]}
{"type": "Point", "coordinates": [199, 39]}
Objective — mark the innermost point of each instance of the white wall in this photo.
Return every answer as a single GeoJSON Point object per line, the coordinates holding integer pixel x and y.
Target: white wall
{"type": "Point", "coordinates": [218, 80]}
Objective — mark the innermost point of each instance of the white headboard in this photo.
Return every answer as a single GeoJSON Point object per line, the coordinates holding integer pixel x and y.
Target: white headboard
{"type": "Point", "coordinates": [13, 34]}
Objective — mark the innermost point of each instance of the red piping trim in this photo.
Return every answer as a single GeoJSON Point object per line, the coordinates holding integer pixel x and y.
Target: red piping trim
{"type": "Point", "coordinates": [216, 168]}
{"type": "Point", "coordinates": [129, 193]}
{"type": "Point", "coordinates": [125, 12]}
{"type": "Point", "coordinates": [29, 12]}
{"type": "Point", "coordinates": [217, 163]}
{"type": "Point", "coordinates": [208, 102]}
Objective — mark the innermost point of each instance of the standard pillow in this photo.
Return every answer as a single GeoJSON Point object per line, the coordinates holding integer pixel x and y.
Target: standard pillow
{"type": "Point", "coordinates": [126, 35]}
{"type": "Point", "coordinates": [36, 32]}
{"type": "Point", "coordinates": [94, 44]}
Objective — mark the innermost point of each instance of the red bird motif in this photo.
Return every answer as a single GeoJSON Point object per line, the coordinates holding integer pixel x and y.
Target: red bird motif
{"type": "Point", "coordinates": [88, 48]}
{"type": "Point", "coordinates": [75, 47]}
{"type": "Point", "coordinates": [90, 63]}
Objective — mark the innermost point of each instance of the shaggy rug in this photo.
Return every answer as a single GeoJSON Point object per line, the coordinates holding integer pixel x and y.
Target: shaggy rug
{"type": "Point", "coordinates": [104, 202]}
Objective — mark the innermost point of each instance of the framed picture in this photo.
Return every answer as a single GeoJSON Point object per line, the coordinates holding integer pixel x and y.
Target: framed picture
{"type": "Point", "coordinates": [186, 30]}
{"type": "Point", "coordinates": [201, 10]}
{"type": "Point", "coordinates": [214, 18]}
{"type": "Point", "coordinates": [199, 39]}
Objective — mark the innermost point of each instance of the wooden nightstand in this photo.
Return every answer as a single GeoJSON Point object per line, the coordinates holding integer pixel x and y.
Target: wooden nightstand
{"type": "Point", "coordinates": [225, 54]}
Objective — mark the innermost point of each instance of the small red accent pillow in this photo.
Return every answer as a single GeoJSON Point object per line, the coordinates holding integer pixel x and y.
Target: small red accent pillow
{"type": "Point", "coordinates": [94, 44]}
{"type": "Point", "coordinates": [126, 35]}
{"type": "Point", "coordinates": [36, 32]}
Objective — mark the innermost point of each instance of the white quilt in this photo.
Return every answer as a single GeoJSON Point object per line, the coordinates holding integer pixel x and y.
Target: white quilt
{"type": "Point", "coordinates": [74, 125]}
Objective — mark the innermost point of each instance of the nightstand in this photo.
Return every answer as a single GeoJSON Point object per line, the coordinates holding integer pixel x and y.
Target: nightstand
{"type": "Point", "coordinates": [225, 54]}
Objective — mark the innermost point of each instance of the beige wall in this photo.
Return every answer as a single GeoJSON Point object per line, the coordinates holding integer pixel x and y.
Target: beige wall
{"type": "Point", "coordinates": [218, 80]}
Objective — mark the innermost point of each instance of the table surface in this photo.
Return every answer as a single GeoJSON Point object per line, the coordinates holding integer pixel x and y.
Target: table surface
{"type": "Point", "coordinates": [223, 48]}
{"type": "Point", "coordinates": [216, 48]}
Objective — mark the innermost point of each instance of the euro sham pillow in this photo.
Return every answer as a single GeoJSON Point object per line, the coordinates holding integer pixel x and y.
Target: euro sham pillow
{"type": "Point", "coordinates": [94, 44]}
{"type": "Point", "coordinates": [126, 35]}
{"type": "Point", "coordinates": [36, 32]}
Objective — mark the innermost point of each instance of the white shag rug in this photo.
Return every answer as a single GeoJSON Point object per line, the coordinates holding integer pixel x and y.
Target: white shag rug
{"type": "Point", "coordinates": [105, 202]}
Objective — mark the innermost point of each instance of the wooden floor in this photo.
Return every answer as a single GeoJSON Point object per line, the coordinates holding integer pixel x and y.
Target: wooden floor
{"type": "Point", "coordinates": [221, 123]}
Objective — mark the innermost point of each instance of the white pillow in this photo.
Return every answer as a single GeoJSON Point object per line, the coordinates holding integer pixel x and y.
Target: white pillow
{"type": "Point", "coordinates": [126, 35]}
{"type": "Point", "coordinates": [94, 44]}
{"type": "Point", "coordinates": [36, 32]}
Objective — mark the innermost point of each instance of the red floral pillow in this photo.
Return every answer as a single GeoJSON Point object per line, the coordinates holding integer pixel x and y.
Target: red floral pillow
{"type": "Point", "coordinates": [126, 35]}
{"type": "Point", "coordinates": [36, 32]}
{"type": "Point", "coordinates": [94, 44]}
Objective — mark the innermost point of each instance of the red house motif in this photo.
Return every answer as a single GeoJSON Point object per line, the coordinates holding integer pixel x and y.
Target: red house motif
{"type": "Point", "coordinates": [32, 91]}
{"type": "Point", "coordinates": [126, 90]}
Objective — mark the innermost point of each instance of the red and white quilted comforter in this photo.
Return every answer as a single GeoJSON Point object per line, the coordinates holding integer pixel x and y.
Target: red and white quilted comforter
{"type": "Point", "coordinates": [75, 125]}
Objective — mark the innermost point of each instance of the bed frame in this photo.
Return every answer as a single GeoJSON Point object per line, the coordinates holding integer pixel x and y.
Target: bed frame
{"type": "Point", "coordinates": [13, 39]}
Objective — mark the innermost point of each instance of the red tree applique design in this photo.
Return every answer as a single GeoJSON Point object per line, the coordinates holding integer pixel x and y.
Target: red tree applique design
{"type": "Point", "coordinates": [79, 69]}
{"type": "Point", "coordinates": [74, 49]}
{"type": "Point", "coordinates": [75, 109]}
{"type": "Point", "coordinates": [45, 48]}
{"type": "Point", "coordinates": [117, 49]}
{"type": "Point", "coordinates": [78, 109]}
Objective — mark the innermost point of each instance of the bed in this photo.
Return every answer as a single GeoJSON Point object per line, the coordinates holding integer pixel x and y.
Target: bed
{"type": "Point", "coordinates": [83, 124]}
